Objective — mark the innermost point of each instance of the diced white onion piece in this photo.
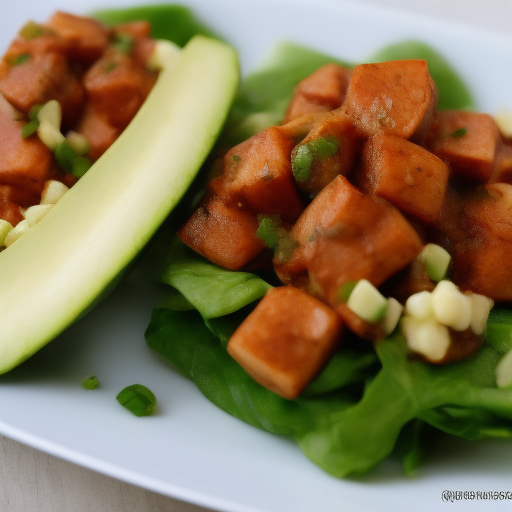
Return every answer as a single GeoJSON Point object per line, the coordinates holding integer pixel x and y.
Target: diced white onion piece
{"type": "Point", "coordinates": [419, 305]}
{"type": "Point", "coordinates": [78, 142]}
{"type": "Point", "coordinates": [436, 260]}
{"type": "Point", "coordinates": [426, 337]}
{"type": "Point", "coordinates": [16, 232]}
{"type": "Point", "coordinates": [503, 119]}
{"type": "Point", "coordinates": [52, 191]}
{"type": "Point", "coordinates": [393, 313]}
{"type": "Point", "coordinates": [367, 302]}
{"type": "Point", "coordinates": [5, 228]}
{"type": "Point", "coordinates": [451, 307]}
{"type": "Point", "coordinates": [9, 110]}
{"type": "Point", "coordinates": [504, 371]}
{"type": "Point", "coordinates": [480, 308]}
{"type": "Point", "coordinates": [51, 113]}
{"type": "Point", "coordinates": [164, 54]}
{"type": "Point", "coordinates": [35, 213]}
{"type": "Point", "coordinates": [50, 135]}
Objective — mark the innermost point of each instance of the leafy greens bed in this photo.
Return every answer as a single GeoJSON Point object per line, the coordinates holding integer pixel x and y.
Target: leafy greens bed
{"type": "Point", "coordinates": [368, 402]}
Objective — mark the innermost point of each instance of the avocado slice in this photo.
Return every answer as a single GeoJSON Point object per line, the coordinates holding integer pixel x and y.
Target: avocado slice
{"type": "Point", "coordinates": [56, 271]}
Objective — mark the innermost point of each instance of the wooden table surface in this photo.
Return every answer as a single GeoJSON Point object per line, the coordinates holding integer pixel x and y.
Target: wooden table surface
{"type": "Point", "coordinates": [32, 481]}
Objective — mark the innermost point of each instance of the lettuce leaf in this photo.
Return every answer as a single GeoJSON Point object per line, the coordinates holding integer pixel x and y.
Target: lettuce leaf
{"type": "Point", "coordinates": [172, 22]}
{"type": "Point", "coordinates": [364, 405]}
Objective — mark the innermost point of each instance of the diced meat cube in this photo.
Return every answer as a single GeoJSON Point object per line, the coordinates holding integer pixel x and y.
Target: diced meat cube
{"type": "Point", "coordinates": [397, 97]}
{"type": "Point", "coordinates": [10, 212]}
{"type": "Point", "coordinates": [481, 239]}
{"type": "Point", "coordinates": [25, 163]}
{"type": "Point", "coordinates": [407, 175]}
{"type": "Point", "coordinates": [503, 167]}
{"type": "Point", "coordinates": [468, 142]}
{"type": "Point", "coordinates": [18, 196]}
{"type": "Point", "coordinates": [336, 128]}
{"type": "Point", "coordinates": [258, 175]}
{"type": "Point", "coordinates": [97, 130]}
{"type": "Point", "coordinates": [135, 29]}
{"type": "Point", "coordinates": [117, 87]}
{"type": "Point", "coordinates": [286, 340]}
{"type": "Point", "coordinates": [86, 37]}
{"type": "Point", "coordinates": [223, 234]}
{"type": "Point", "coordinates": [143, 46]}
{"type": "Point", "coordinates": [343, 236]}
{"type": "Point", "coordinates": [40, 79]}
{"type": "Point", "coordinates": [322, 91]}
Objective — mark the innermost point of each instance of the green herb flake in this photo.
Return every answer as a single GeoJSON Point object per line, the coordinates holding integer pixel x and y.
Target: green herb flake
{"type": "Point", "coordinates": [268, 230]}
{"type": "Point", "coordinates": [110, 67]}
{"type": "Point", "coordinates": [34, 111]}
{"type": "Point", "coordinates": [30, 128]}
{"type": "Point", "coordinates": [138, 399]}
{"type": "Point", "coordinates": [91, 382]}
{"type": "Point", "coordinates": [346, 290]}
{"type": "Point", "coordinates": [323, 148]}
{"type": "Point", "coordinates": [31, 30]}
{"type": "Point", "coordinates": [123, 43]}
{"type": "Point", "coordinates": [302, 159]}
{"type": "Point", "coordinates": [457, 134]}
{"type": "Point", "coordinates": [20, 59]}
{"type": "Point", "coordinates": [69, 161]}
{"type": "Point", "coordinates": [236, 158]}
{"type": "Point", "coordinates": [304, 155]}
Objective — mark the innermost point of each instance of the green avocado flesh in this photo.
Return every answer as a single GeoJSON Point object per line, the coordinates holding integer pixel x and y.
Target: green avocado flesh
{"type": "Point", "coordinates": [56, 270]}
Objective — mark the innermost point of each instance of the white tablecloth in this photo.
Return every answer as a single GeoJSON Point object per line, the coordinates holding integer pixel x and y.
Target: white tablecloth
{"type": "Point", "coordinates": [32, 481]}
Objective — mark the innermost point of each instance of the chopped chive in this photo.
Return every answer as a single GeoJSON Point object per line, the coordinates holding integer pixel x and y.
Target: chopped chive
{"type": "Point", "coordinates": [236, 158]}
{"type": "Point", "coordinates": [34, 111]}
{"type": "Point", "coordinates": [346, 290]}
{"type": "Point", "coordinates": [91, 382]}
{"type": "Point", "coordinates": [138, 399]}
{"type": "Point", "coordinates": [268, 230]}
{"type": "Point", "coordinates": [20, 59]}
{"type": "Point", "coordinates": [123, 43]}
{"type": "Point", "coordinates": [323, 148]}
{"type": "Point", "coordinates": [31, 30]}
{"type": "Point", "coordinates": [110, 67]}
{"type": "Point", "coordinates": [30, 128]}
{"type": "Point", "coordinates": [459, 133]}
{"type": "Point", "coordinates": [303, 155]}
{"type": "Point", "coordinates": [302, 158]}
{"type": "Point", "coordinates": [69, 161]}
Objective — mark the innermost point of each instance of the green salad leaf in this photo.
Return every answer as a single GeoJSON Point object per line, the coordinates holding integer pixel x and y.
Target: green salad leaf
{"type": "Point", "coordinates": [172, 22]}
{"type": "Point", "coordinates": [365, 404]}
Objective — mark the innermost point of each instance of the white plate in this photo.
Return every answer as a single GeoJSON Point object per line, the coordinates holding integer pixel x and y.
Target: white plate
{"type": "Point", "coordinates": [190, 449]}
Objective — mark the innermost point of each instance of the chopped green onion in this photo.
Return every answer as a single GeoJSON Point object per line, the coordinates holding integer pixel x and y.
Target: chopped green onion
{"type": "Point", "coordinates": [236, 158]}
{"type": "Point", "coordinates": [268, 230]}
{"type": "Point", "coordinates": [31, 30]}
{"type": "Point", "coordinates": [323, 148]}
{"type": "Point", "coordinates": [20, 59]}
{"type": "Point", "coordinates": [302, 158]}
{"type": "Point", "coordinates": [109, 67]}
{"type": "Point", "coordinates": [123, 43]}
{"type": "Point", "coordinates": [346, 290]}
{"type": "Point", "coordinates": [91, 382]}
{"type": "Point", "coordinates": [459, 133]}
{"type": "Point", "coordinates": [69, 161]}
{"type": "Point", "coordinates": [303, 155]}
{"type": "Point", "coordinates": [138, 399]}
{"type": "Point", "coordinates": [34, 111]}
{"type": "Point", "coordinates": [30, 128]}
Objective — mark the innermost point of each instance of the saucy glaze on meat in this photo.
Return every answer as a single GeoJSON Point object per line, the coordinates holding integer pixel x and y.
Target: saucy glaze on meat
{"type": "Point", "coordinates": [361, 178]}
{"type": "Point", "coordinates": [99, 77]}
